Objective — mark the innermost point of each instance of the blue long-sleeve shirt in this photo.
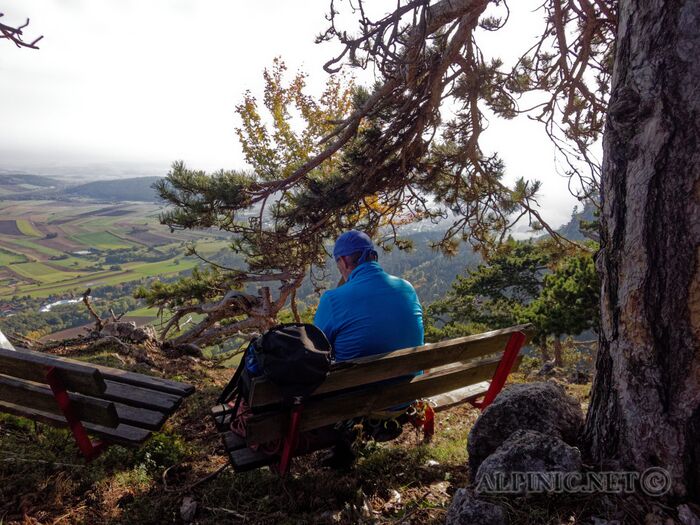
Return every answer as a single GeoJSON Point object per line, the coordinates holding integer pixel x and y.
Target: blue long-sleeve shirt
{"type": "Point", "coordinates": [372, 313]}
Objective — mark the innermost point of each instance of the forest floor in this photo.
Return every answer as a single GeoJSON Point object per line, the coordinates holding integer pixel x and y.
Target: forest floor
{"type": "Point", "coordinates": [42, 480]}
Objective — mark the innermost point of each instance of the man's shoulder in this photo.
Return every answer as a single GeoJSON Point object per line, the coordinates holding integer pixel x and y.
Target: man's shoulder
{"type": "Point", "coordinates": [399, 282]}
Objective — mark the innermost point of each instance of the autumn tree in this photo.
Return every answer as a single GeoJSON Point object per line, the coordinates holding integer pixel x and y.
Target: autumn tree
{"type": "Point", "coordinates": [386, 158]}
{"type": "Point", "coordinates": [267, 243]}
{"type": "Point", "coordinates": [401, 145]}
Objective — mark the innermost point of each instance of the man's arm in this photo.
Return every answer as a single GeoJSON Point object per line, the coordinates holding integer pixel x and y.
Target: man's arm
{"type": "Point", "coordinates": [324, 318]}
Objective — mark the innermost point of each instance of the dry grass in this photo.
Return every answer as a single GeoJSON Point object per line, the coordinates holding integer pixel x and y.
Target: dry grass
{"type": "Point", "coordinates": [405, 481]}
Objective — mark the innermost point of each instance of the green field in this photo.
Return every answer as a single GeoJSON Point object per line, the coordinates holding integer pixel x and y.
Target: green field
{"type": "Point", "coordinates": [101, 240]}
{"type": "Point", "coordinates": [7, 257]}
{"type": "Point", "coordinates": [40, 265]}
{"type": "Point", "coordinates": [163, 267]}
{"type": "Point", "coordinates": [42, 273]}
{"type": "Point", "coordinates": [143, 312]}
{"type": "Point", "coordinates": [27, 229]}
{"type": "Point", "coordinates": [33, 245]}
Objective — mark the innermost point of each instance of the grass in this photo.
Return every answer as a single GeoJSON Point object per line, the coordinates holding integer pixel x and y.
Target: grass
{"type": "Point", "coordinates": [404, 481]}
{"type": "Point", "coordinates": [46, 273]}
{"type": "Point", "coordinates": [143, 312]}
{"type": "Point", "coordinates": [159, 268]}
{"type": "Point", "coordinates": [54, 281]}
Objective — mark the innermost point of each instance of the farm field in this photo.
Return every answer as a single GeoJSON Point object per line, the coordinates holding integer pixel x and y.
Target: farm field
{"type": "Point", "coordinates": [101, 240]}
{"type": "Point", "coordinates": [58, 248]}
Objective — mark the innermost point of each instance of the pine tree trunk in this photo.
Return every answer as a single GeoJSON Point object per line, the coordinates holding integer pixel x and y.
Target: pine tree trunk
{"type": "Point", "coordinates": [558, 361]}
{"type": "Point", "coordinates": [645, 406]}
{"type": "Point", "coordinates": [544, 351]}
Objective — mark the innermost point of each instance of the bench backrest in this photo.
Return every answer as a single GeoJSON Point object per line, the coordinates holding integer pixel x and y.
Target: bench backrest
{"type": "Point", "coordinates": [448, 365]}
{"type": "Point", "coordinates": [24, 382]}
{"type": "Point", "coordinates": [121, 406]}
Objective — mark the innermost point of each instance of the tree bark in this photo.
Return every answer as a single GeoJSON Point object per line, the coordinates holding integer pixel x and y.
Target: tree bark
{"type": "Point", "coordinates": [558, 361]}
{"type": "Point", "coordinates": [645, 405]}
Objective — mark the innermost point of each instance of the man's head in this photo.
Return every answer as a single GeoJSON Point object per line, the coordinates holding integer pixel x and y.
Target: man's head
{"type": "Point", "coordinates": [352, 249]}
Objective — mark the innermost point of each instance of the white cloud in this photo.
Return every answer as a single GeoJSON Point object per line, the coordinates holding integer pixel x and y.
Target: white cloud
{"type": "Point", "coordinates": [158, 80]}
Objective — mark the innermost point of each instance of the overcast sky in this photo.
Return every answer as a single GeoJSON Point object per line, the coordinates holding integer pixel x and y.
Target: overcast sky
{"type": "Point", "coordinates": [139, 84]}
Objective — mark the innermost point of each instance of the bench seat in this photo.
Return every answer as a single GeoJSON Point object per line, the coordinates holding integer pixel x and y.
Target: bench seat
{"type": "Point", "coordinates": [467, 369]}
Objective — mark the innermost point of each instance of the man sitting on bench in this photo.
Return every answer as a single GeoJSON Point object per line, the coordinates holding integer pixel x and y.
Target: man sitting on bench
{"type": "Point", "coordinates": [371, 313]}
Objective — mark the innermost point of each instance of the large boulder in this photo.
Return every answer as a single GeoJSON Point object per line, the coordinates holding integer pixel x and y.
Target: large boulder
{"type": "Point", "coordinates": [514, 466]}
{"type": "Point", "coordinates": [467, 510]}
{"type": "Point", "coordinates": [544, 407]}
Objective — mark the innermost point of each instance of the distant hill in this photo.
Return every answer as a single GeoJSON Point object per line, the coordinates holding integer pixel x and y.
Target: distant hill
{"type": "Point", "coordinates": [136, 189]}
{"type": "Point", "coordinates": [24, 183]}
{"type": "Point", "coordinates": [572, 230]}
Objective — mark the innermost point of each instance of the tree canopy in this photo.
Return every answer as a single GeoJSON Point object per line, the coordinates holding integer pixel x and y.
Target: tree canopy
{"type": "Point", "coordinates": [376, 157]}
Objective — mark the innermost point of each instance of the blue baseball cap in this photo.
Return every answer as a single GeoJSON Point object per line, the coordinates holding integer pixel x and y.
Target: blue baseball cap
{"type": "Point", "coordinates": [354, 241]}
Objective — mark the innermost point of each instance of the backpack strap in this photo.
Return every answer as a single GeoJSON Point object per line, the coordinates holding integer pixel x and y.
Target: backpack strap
{"type": "Point", "coordinates": [231, 387]}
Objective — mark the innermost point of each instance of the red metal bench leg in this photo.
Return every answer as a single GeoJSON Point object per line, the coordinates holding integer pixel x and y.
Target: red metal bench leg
{"type": "Point", "coordinates": [290, 441]}
{"type": "Point", "coordinates": [510, 354]}
{"type": "Point", "coordinates": [428, 424]}
{"type": "Point", "coordinates": [423, 418]}
{"type": "Point", "coordinates": [90, 449]}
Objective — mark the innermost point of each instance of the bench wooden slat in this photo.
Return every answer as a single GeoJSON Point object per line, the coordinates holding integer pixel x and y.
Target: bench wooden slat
{"type": "Point", "coordinates": [222, 415]}
{"type": "Point", "coordinates": [153, 383]}
{"type": "Point", "coordinates": [321, 412]}
{"type": "Point", "coordinates": [245, 459]}
{"type": "Point", "coordinates": [32, 366]}
{"type": "Point", "coordinates": [141, 397]}
{"type": "Point", "coordinates": [40, 397]}
{"type": "Point", "coordinates": [457, 397]}
{"type": "Point", "coordinates": [366, 370]}
{"type": "Point", "coordinates": [140, 417]}
{"type": "Point", "coordinates": [122, 376]}
{"type": "Point", "coordinates": [122, 434]}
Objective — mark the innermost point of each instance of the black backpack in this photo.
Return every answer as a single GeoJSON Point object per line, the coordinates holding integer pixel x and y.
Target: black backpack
{"type": "Point", "coordinates": [295, 357]}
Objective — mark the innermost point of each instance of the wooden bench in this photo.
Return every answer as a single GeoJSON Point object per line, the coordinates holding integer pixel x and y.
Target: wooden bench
{"type": "Point", "coordinates": [468, 369]}
{"type": "Point", "coordinates": [114, 405]}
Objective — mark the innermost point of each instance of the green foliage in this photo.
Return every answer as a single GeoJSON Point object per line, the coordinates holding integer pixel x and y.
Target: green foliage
{"type": "Point", "coordinates": [568, 301]}
{"type": "Point", "coordinates": [229, 201]}
{"type": "Point", "coordinates": [496, 294]}
{"type": "Point", "coordinates": [522, 282]}
{"type": "Point", "coordinates": [202, 285]}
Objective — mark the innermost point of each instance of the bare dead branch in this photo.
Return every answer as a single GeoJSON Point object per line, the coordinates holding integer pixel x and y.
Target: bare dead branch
{"type": "Point", "coordinates": [15, 34]}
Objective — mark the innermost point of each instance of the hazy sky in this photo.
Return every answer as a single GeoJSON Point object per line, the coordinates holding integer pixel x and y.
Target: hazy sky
{"type": "Point", "coordinates": [143, 83]}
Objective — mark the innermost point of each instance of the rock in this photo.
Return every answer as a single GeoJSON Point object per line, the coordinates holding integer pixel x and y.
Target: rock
{"type": "Point", "coordinates": [687, 516]}
{"type": "Point", "coordinates": [580, 377]}
{"type": "Point", "coordinates": [188, 509]}
{"type": "Point", "coordinates": [127, 330]}
{"type": "Point", "coordinates": [544, 407]}
{"type": "Point", "coordinates": [547, 369]}
{"type": "Point", "coordinates": [600, 521]}
{"type": "Point", "coordinates": [467, 510]}
{"type": "Point", "coordinates": [527, 451]}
